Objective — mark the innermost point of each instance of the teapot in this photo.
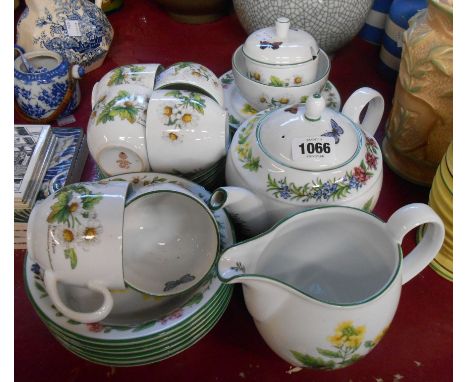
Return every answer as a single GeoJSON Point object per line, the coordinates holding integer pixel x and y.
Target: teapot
{"type": "Point", "coordinates": [295, 157]}
{"type": "Point", "coordinates": [324, 284]}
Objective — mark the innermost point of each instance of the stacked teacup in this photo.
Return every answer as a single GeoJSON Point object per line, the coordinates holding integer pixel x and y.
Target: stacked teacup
{"type": "Point", "coordinates": [173, 121]}
{"type": "Point", "coordinates": [127, 263]}
{"type": "Point", "coordinates": [279, 66]}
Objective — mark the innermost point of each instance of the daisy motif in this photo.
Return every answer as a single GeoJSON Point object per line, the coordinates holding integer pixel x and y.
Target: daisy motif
{"type": "Point", "coordinates": [65, 236]}
{"type": "Point", "coordinates": [89, 233]}
{"type": "Point", "coordinates": [75, 205]}
{"type": "Point", "coordinates": [173, 136]}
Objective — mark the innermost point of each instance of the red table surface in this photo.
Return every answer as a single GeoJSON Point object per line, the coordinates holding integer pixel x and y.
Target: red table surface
{"type": "Point", "coordinates": [418, 345]}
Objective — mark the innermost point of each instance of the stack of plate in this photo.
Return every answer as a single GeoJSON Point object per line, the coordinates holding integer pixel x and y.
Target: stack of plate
{"type": "Point", "coordinates": [141, 329]}
{"type": "Point", "coordinates": [441, 201]}
{"type": "Point", "coordinates": [209, 178]}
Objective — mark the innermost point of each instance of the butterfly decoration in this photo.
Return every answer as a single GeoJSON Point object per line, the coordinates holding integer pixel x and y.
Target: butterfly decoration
{"type": "Point", "coordinates": [293, 109]}
{"type": "Point", "coordinates": [173, 284]}
{"type": "Point", "coordinates": [335, 133]}
{"type": "Point", "coordinates": [268, 44]}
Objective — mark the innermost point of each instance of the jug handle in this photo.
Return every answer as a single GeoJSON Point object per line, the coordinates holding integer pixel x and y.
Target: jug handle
{"type": "Point", "coordinates": [408, 218]}
{"type": "Point", "coordinates": [73, 74]}
{"type": "Point", "coordinates": [50, 283]}
{"type": "Point", "coordinates": [358, 101]}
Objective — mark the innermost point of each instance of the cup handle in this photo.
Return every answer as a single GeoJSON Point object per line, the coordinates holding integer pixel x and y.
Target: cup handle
{"type": "Point", "coordinates": [358, 101]}
{"type": "Point", "coordinates": [403, 221]}
{"type": "Point", "coordinates": [50, 282]}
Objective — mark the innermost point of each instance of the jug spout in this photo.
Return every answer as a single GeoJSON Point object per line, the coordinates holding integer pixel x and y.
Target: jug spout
{"type": "Point", "coordinates": [238, 264]}
{"type": "Point", "coordinates": [244, 206]}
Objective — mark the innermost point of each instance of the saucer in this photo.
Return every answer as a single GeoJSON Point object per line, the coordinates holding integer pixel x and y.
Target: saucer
{"type": "Point", "coordinates": [239, 109]}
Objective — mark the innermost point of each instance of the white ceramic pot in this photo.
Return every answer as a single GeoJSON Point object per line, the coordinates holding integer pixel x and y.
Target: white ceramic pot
{"type": "Point", "coordinates": [77, 29]}
{"type": "Point", "coordinates": [76, 236]}
{"type": "Point", "coordinates": [191, 76]}
{"type": "Point", "coordinates": [281, 56]}
{"type": "Point", "coordinates": [132, 74]}
{"type": "Point", "coordinates": [262, 96]}
{"type": "Point", "coordinates": [116, 130]}
{"type": "Point", "coordinates": [186, 132]}
{"type": "Point", "coordinates": [288, 159]}
{"type": "Point", "coordinates": [323, 285]}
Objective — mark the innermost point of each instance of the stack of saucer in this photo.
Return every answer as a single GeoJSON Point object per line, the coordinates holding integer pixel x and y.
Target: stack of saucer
{"type": "Point", "coordinates": [140, 329]}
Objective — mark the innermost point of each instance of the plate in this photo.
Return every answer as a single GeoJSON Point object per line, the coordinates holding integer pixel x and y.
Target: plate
{"type": "Point", "coordinates": [239, 109]}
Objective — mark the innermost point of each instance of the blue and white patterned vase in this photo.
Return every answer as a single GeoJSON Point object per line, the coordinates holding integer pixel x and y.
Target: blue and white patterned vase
{"type": "Point", "coordinates": [77, 29]}
{"type": "Point", "coordinates": [373, 29]}
{"type": "Point", "coordinates": [397, 23]}
{"type": "Point", "coordinates": [41, 92]}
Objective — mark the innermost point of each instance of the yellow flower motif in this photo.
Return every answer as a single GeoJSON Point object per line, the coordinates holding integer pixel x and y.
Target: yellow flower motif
{"type": "Point", "coordinates": [346, 334]}
{"type": "Point", "coordinates": [243, 150]}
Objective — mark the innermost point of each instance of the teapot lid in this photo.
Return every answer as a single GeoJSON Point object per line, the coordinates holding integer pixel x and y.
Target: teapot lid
{"type": "Point", "coordinates": [281, 45]}
{"type": "Point", "coordinates": [309, 136]}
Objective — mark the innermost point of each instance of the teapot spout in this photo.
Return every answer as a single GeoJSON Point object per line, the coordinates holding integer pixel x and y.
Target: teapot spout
{"type": "Point", "coordinates": [244, 206]}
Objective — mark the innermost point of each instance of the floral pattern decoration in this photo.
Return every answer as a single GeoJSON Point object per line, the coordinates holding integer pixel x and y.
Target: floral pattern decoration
{"type": "Point", "coordinates": [244, 149]}
{"type": "Point", "coordinates": [123, 161]}
{"type": "Point", "coordinates": [345, 343]}
{"type": "Point", "coordinates": [124, 105]}
{"type": "Point", "coordinates": [196, 70]}
{"type": "Point", "coordinates": [331, 189]}
{"type": "Point", "coordinates": [183, 114]}
{"type": "Point", "coordinates": [125, 75]}
{"type": "Point", "coordinates": [73, 220]}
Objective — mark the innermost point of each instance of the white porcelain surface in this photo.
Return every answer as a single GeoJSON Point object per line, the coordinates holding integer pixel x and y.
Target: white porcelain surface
{"type": "Point", "coordinates": [280, 56]}
{"type": "Point", "coordinates": [239, 109]}
{"type": "Point", "coordinates": [313, 265]}
{"type": "Point", "coordinates": [185, 131]}
{"type": "Point", "coordinates": [191, 76]}
{"type": "Point", "coordinates": [267, 182]}
{"type": "Point", "coordinates": [116, 130]}
{"type": "Point", "coordinates": [170, 240]}
{"type": "Point", "coordinates": [137, 314]}
{"type": "Point", "coordinates": [262, 96]}
{"type": "Point", "coordinates": [132, 74]}
{"type": "Point", "coordinates": [76, 237]}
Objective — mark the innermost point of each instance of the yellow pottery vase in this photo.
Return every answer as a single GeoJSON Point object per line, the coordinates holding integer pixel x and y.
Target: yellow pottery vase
{"type": "Point", "coordinates": [419, 128]}
{"type": "Point", "coordinates": [441, 201]}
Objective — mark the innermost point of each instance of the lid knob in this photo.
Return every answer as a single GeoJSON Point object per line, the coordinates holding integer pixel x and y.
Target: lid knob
{"type": "Point", "coordinates": [282, 27]}
{"type": "Point", "coordinates": [315, 105]}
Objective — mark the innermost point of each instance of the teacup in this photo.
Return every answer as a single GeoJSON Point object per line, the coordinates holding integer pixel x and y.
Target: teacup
{"type": "Point", "coordinates": [76, 236]}
{"type": "Point", "coordinates": [116, 130]}
{"type": "Point", "coordinates": [262, 96]}
{"type": "Point", "coordinates": [185, 131]}
{"type": "Point", "coordinates": [191, 76]}
{"type": "Point", "coordinates": [160, 240]}
{"type": "Point", "coordinates": [132, 74]}
{"type": "Point", "coordinates": [170, 240]}
{"type": "Point", "coordinates": [323, 285]}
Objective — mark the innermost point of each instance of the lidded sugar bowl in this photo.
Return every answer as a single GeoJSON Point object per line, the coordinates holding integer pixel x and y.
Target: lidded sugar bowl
{"type": "Point", "coordinates": [281, 56]}
{"type": "Point", "coordinates": [288, 159]}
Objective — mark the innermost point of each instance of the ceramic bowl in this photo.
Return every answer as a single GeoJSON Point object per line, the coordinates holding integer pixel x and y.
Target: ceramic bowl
{"type": "Point", "coordinates": [170, 240]}
{"type": "Point", "coordinates": [281, 56]}
{"type": "Point", "coordinates": [191, 76]}
{"type": "Point", "coordinates": [262, 96]}
{"type": "Point", "coordinates": [185, 131]}
{"type": "Point", "coordinates": [133, 74]}
{"type": "Point", "coordinates": [116, 130]}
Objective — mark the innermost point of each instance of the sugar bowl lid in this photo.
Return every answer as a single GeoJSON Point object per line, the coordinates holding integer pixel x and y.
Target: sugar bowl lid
{"type": "Point", "coordinates": [281, 45]}
{"type": "Point", "coordinates": [309, 137]}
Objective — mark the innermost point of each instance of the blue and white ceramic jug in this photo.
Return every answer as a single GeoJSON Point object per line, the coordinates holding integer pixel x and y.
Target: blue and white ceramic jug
{"type": "Point", "coordinates": [77, 29]}
{"type": "Point", "coordinates": [48, 89]}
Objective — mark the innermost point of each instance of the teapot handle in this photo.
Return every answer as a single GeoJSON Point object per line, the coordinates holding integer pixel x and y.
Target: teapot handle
{"type": "Point", "coordinates": [50, 283]}
{"type": "Point", "coordinates": [408, 218]}
{"type": "Point", "coordinates": [358, 101]}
